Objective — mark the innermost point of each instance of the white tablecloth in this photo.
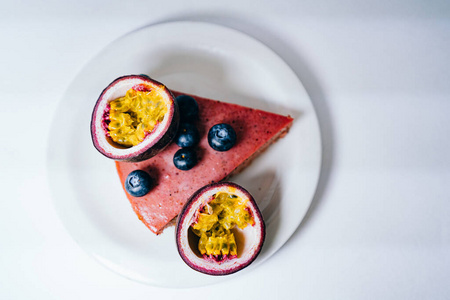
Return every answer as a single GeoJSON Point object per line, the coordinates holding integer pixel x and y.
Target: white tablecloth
{"type": "Point", "coordinates": [379, 76]}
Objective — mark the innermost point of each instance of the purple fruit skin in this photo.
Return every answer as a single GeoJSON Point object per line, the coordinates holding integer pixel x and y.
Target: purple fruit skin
{"type": "Point", "coordinates": [152, 149]}
{"type": "Point", "coordinates": [188, 206]}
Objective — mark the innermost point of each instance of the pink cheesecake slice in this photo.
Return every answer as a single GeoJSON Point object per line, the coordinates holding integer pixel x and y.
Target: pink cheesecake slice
{"type": "Point", "coordinates": [255, 130]}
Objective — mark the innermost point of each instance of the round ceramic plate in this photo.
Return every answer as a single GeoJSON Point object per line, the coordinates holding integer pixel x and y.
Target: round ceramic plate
{"type": "Point", "coordinates": [203, 59]}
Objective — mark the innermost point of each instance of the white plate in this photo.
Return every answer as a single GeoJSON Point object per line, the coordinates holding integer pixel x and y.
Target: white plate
{"type": "Point", "coordinates": [203, 59]}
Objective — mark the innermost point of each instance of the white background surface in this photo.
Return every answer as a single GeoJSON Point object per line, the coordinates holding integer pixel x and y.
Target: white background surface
{"type": "Point", "coordinates": [379, 76]}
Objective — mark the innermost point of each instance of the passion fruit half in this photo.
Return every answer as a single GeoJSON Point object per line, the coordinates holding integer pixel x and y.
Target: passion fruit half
{"type": "Point", "coordinates": [134, 119]}
{"type": "Point", "coordinates": [220, 230]}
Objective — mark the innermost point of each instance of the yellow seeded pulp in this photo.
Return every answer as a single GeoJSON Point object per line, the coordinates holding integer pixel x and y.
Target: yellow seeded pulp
{"type": "Point", "coordinates": [215, 222]}
{"type": "Point", "coordinates": [135, 115]}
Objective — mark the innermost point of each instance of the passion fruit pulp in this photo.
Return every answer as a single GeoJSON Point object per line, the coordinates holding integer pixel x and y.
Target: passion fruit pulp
{"type": "Point", "coordinates": [220, 230]}
{"type": "Point", "coordinates": [134, 119]}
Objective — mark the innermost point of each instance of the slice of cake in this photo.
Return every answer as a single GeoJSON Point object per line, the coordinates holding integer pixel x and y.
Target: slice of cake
{"type": "Point", "coordinates": [255, 131]}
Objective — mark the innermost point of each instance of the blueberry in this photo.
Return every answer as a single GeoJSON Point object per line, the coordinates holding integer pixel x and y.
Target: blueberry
{"type": "Point", "coordinates": [138, 183]}
{"type": "Point", "coordinates": [185, 159]}
{"type": "Point", "coordinates": [221, 137]}
{"type": "Point", "coordinates": [187, 136]}
{"type": "Point", "coordinates": [188, 107]}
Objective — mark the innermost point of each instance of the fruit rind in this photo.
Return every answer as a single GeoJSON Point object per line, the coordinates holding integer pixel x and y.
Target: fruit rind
{"type": "Point", "coordinates": [162, 135]}
{"type": "Point", "coordinates": [246, 256]}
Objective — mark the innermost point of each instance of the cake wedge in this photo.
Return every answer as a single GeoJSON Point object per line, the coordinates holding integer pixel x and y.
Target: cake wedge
{"type": "Point", "coordinates": [255, 131]}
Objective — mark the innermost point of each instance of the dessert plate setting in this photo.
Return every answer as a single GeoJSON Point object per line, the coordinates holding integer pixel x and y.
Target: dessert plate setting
{"type": "Point", "coordinates": [197, 58]}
